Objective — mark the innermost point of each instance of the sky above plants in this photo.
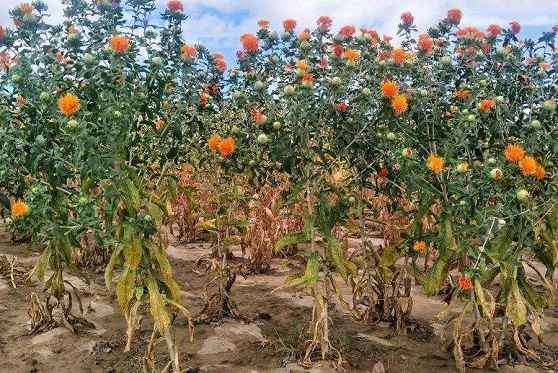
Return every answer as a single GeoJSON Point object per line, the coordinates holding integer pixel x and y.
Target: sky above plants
{"type": "Point", "coordinates": [218, 24]}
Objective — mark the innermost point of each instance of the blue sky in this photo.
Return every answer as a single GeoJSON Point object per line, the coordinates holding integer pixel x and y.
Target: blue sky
{"type": "Point", "coordinates": [218, 24]}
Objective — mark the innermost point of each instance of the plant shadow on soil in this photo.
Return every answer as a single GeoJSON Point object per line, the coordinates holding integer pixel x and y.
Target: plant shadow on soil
{"type": "Point", "coordinates": [270, 343]}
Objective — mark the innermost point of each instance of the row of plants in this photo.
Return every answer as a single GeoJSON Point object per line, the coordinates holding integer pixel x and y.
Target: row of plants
{"type": "Point", "coordinates": [117, 134]}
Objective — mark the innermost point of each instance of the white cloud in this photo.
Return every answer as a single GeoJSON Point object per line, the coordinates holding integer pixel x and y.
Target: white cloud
{"type": "Point", "coordinates": [219, 23]}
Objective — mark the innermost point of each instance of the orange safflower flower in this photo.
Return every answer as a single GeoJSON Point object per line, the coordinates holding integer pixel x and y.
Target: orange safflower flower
{"type": "Point", "coordinates": [399, 56]}
{"type": "Point", "coordinates": [420, 246]}
{"type": "Point", "coordinates": [219, 61]}
{"type": "Point", "coordinates": [352, 55]}
{"type": "Point", "coordinates": [454, 16]}
{"type": "Point", "coordinates": [159, 124]}
{"type": "Point", "coordinates": [250, 43]}
{"type": "Point", "coordinates": [289, 25]}
{"type": "Point", "coordinates": [514, 153]}
{"type": "Point", "coordinates": [425, 43]}
{"type": "Point", "coordinates": [69, 104]}
{"type": "Point", "coordinates": [227, 146]}
{"type": "Point", "coordinates": [390, 88]}
{"type": "Point", "coordinates": [302, 65]}
{"type": "Point", "coordinates": [435, 163]}
{"type": "Point", "coordinates": [528, 165]}
{"type": "Point", "coordinates": [188, 52]}
{"type": "Point", "coordinates": [19, 208]}
{"type": "Point", "coordinates": [304, 35]}
{"type": "Point", "coordinates": [465, 283]}
{"type": "Point", "coordinates": [26, 8]}
{"type": "Point", "coordinates": [399, 104]}
{"type": "Point", "coordinates": [263, 23]}
{"type": "Point", "coordinates": [407, 18]}
{"type": "Point", "coordinates": [462, 94]}
{"type": "Point", "coordinates": [175, 6]}
{"type": "Point", "coordinates": [539, 172]}
{"type": "Point", "coordinates": [486, 105]}
{"type": "Point", "coordinates": [213, 142]}
{"type": "Point", "coordinates": [324, 22]}
{"type": "Point", "coordinates": [493, 30]}
{"type": "Point", "coordinates": [308, 80]}
{"type": "Point", "coordinates": [119, 43]}
{"type": "Point", "coordinates": [348, 30]}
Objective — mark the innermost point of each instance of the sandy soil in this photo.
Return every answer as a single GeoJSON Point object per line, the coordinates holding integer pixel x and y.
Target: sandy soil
{"type": "Point", "coordinates": [267, 344]}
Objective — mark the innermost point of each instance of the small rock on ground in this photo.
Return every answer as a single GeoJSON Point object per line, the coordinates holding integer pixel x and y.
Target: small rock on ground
{"type": "Point", "coordinates": [216, 345]}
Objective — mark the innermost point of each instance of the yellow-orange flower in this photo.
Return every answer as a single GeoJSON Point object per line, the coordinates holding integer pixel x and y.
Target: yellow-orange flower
{"type": "Point", "coordinates": [390, 88]}
{"type": "Point", "coordinates": [227, 146]}
{"type": "Point", "coordinates": [528, 165]}
{"type": "Point", "coordinates": [19, 208]}
{"type": "Point", "coordinates": [399, 104]}
{"type": "Point", "coordinates": [214, 142]}
{"type": "Point", "coordinates": [302, 65]}
{"type": "Point", "coordinates": [435, 163]}
{"type": "Point", "coordinates": [399, 56]}
{"type": "Point", "coordinates": [69, 104]}
{"type": "Point", "coordinates": [540, 172]}
{"type": "Point", "coordinates": [420, 246]}
{"type": "Point", "coordinates": [119, 43]}
{"type": "Point", "coordinates": [514, 153]}
{"type": "Point", "coordinates": [352, 55]}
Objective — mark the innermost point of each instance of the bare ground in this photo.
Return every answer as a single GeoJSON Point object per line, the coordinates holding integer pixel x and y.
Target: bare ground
{"type": "Point", "coordinates": [268, 343]}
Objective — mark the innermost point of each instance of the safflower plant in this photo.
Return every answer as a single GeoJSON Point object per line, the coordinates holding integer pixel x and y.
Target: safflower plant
{"type": "Point", "coordinates": [450, 132]}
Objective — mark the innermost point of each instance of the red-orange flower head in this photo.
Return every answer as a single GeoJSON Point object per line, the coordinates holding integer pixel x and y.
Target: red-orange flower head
{"type": "Point", "coordinates": [347, 31]}
{"type": "Point", "coordinates": [486, 105]}
{"type": "Point", "coordinates": [289, 25]}
{"type": "Point", "coordinates": [69, 104]}
{"type": "Point", "coordinates": [462, 94]}
{"type": "Point", "coordinates": [26, 8]}
{"type": "Point", "coordinates": [528, 166]}
{"type": "Point", "coordinates": [515, 27]}
{"type": "Point", "coordinates": [514, 153]}
{"type": "Point", "coordinates": [540, 172]}
{"type": "Point", "coordinates": [219, 61]}
{"type": "Point", "coordinates": [389, 88]}
{"type": "Point", "coordinates": [227, 146]}
{"type": "Point", "coordinates": [188, 52]}
{"type": "Point", "coordinates": [493, 31]}
{"type": "Point", "coordinates": [425, 43]}
{"type": "Point", "coordinates": [119, 43]}
{"type": "Point", "coordinates": [263, 24]}
{"type": "Point", "coordinates": [324, 23]}
{"type": "Point", "coordinates": [213, 142]}
{"type": "Point", "coordinates": [399, 55]}
{"type": "Point", "coordinates": [454, 16]}
{"type": "Point", "coordinates": [420, 246]}
{"type": "Point", "coordinates": [407, 18]}
{"type": "Point", "coordinates": [342, 106]}
{"type": "Point", "coordinates": [175, 6]}
{"type": "Point", "coordinates": [464, 282]}
{"type": "Point", "coordinates": [250, 43]}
